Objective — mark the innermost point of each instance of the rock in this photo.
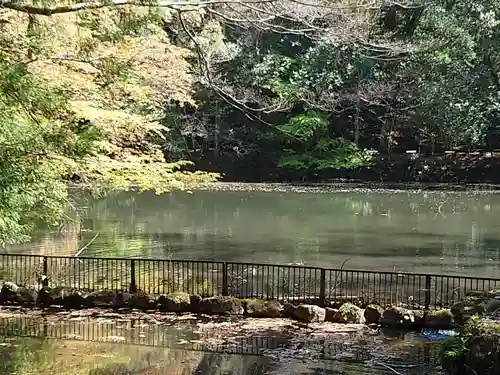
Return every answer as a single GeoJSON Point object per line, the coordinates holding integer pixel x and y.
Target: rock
{"type": "Point", "coordinates": [54, 296]}
{"type": "Point", "coordinates": [75, 300]}
{"type": "Point", "coordinates": [8, 292]}
{"type": "Point", "coordinates": [263, 309]}
{"type": "Point", "coordinates": [195, 301]}
{"type": "Point", "coordinates": [310, 313]}
{"type": "Point", "coordinates": [123, 299]}
{"type": "Point", "coordinates": [102, 298]}
{"type": "Point", "coordinates": [468, 306]}
{"type": "Point", "coordinates": [349, 313]}
{"type": "Point", "coordinates": [330, 314]}
{"type": "Point", "coordinates": [373, 313]}
{"type": "Point", "coordinates": [26, 296]}
{"type": "Point", "coordinates": [491, 306]}
{"type": "Point", "coordinates": [439, 319]}
{"type": "Point", "coordinates": [43, 298]}
{"type": "Point", "coordinates": [483, 354]}
{"type": "Point", "coordinates": [397, 317]}
{"type": "Point", "coordinates": [142, 302]}
{"type": "Point", "coordinates": [176, 302]}
{"type": "Point", "coordinates": [288, 310]}
{"type": "Point", "coordinates": [418, 316]}
{"type": "Point", "coordinates": [221, 305]}
{"type": "Point", "coordinates": [162, 302]}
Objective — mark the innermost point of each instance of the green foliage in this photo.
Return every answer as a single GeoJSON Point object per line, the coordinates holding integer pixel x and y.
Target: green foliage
{"type": "Point", "coordinates": [314, 149]}
{"type": "Point", "coordinates": [77, 97]}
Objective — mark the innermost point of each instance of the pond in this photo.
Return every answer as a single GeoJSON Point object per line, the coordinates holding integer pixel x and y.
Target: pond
{"type": "Point", "coordinates": [417, 231]}
{"type": "Point", "coordinates": [114, 344]}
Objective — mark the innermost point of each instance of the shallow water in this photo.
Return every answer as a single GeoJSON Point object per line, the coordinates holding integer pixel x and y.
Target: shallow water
{"type": "Point", "coordinates": [112, 344]}
{"type": "Point", "coordinates": [437, 232]}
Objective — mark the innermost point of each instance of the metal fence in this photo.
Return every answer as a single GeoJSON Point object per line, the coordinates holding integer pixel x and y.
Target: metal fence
{"type": "Point", "coordinates": [244, 280]}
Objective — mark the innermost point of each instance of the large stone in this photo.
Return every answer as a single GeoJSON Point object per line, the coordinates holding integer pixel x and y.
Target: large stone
{"type": "Point", "coordinates": [468, 306]}
{"type": "Point", "coordinates": [76, 299]}
{"type": "Point", "coordinates": [349, 313]}
{"type": "Point", "coordinates": [418, 316]}
{"type": "Point", "coordinates": [397, 317]}
{"type": "Point", "coordinates": [288, 310]}
{"type": "Point", "coordinates": [142, 302]}
{"type": "Point", "coordinates": [484, 354]}
{"type": "Point", "coordinates": [8, 293]}
{"type": "Point", "coordinates": [221, 305]}
{"type": "Point", "coordinates": [102, 298]}
{"type": "Point", "coordinates": [175, 302]}
{"type": "Point", "coordinates": [330, 314]}
{"type": "Point", "coordinates": [123, 299]}
{"type": "Point", "coordinates": [491, 306]}
{"type": "Point", "coordinates": [55, 296]}
{"type": "Point", "coordinates": [195, 301]}
{"type": "Point", "coordinates": [26, 296]}
{"type": "Point", "coordinates": [263, 309]}
{"type": "Point", "coordinates": [439, 319]}
{"type": "Point", "coordinates": [310, 313]}
{"type": "Point", "coordinates": [373, 314]}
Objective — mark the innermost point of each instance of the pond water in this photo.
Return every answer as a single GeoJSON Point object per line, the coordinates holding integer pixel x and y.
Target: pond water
{"type": "Point", "coordinates": [437, 232]}
{"type": "Point", "coordinates": [108, 344]}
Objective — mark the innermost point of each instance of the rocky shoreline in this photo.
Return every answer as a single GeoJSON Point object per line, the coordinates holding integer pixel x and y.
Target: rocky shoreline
{"type": "Point", "coordinates": [397, 317]}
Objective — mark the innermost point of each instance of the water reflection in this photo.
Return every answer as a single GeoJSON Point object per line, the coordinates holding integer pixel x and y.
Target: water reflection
{"type": "Point", "coordinates": [105, 346]}
{"type": "Point", "coordinates": [451, 233]}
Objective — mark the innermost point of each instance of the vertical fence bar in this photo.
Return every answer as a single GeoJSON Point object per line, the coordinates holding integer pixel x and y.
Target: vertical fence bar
{"type": "Point", "coordinates": [427, 291]}
{"type": "Point", "coordinates": [322, 287]}
{"type": "Point", "coordinates": [225, 286]}
{"type": "Point", "coordinates": [133, 284]}
{"type": "Point", "coordinates": [45, 266]}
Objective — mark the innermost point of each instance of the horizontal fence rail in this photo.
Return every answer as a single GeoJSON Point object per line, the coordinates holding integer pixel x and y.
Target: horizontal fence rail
{"type": "Point", "coordinates": [285, 283]}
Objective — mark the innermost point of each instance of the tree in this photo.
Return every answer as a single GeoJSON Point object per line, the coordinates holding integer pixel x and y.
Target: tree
{"type": "Point", "coordinates": [81, 91]}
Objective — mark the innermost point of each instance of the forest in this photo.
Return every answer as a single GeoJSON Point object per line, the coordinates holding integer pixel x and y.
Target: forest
{"type": "Point", "coordinates": [161, 95]}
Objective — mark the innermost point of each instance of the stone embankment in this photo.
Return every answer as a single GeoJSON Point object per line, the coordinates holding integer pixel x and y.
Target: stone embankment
{"type": "Point", "coordinates": [179, 302]}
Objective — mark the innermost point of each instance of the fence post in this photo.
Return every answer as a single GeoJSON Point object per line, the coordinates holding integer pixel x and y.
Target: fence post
{"type": "Point", "coordinates": [45, 271]}
{"type": "Point", "coordinates": [133, 285]}
{"type": "Point", "coordinates": [45, 266]}
{"type": "Point", "coordinates": [225, 286]}
{"type": "Point", "coordinates": [322, 288]}
{"type": "Point", "coordinates": [427, 291]}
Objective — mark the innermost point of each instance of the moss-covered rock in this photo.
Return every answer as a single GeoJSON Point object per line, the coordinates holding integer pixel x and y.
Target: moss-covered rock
{"type": "Point", "coordinates": [257, 308]}
{"type": "Point", "coordinates": [373, 314]}
{"type": "Point", "coordinates": [8, 292]}
{"type": "Point", "coordinates": [418, 318]}
{"type": "Point", "coordinates": [175, 302]}
{"type": "Point", "coordinates": [101, 298]}
{"type": "Point", "coordinates": [397, 317]}
{"type": "Point", "coordinates": [438, 319]}
{"type": "Point", "coordinates": [350, 313]}
{"type": "Point", "coordinates": [142, 302]}
{"type": "Point", "coordinates": [310, 314]}
{"type": "Point", "coordinates": [221, 305]}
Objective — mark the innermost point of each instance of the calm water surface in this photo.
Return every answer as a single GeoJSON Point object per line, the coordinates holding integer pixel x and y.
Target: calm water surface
{"type": "Point", "coordinates": [119, 346]}
{"type": "Point", "coordinates": [438, 232]}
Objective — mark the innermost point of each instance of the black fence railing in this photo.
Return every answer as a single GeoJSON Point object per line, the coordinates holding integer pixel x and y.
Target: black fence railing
{"type": "Point", "coordinates": [244, 280]}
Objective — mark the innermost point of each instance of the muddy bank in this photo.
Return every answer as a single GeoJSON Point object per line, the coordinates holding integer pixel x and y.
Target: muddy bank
{"type": "Point", "coordinates": [349, 186]}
